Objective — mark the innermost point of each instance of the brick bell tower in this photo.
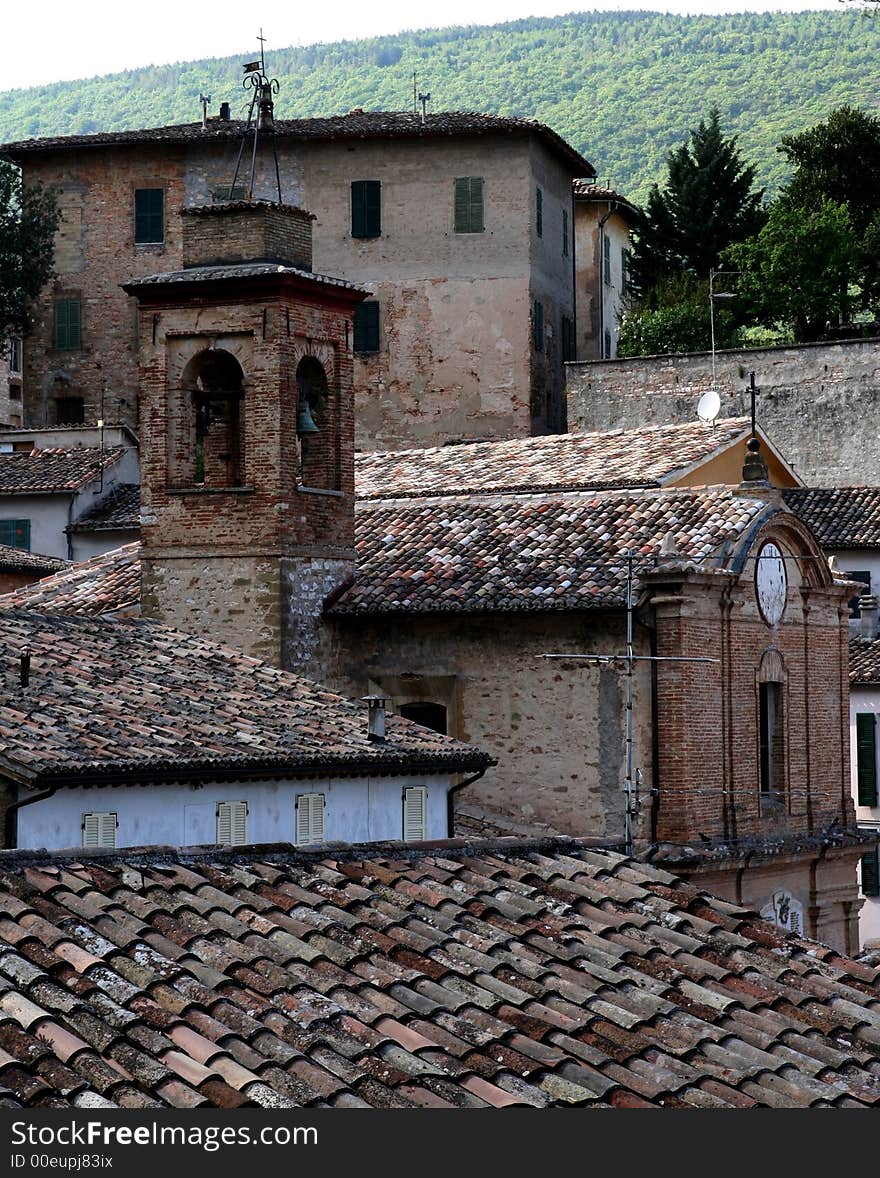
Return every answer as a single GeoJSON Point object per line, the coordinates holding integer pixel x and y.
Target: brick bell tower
{"type": "Point", "coordinates": [247, 428]}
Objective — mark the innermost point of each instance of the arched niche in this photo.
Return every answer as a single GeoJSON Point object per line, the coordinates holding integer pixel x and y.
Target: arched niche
{"type": "Point", "coordinates": [316, 406]}
{"type": "Point", "coordinates": [211, 406]}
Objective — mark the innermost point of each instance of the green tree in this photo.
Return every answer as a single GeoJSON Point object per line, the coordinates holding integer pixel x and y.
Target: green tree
{"type": "Point", "coordinates": [838, 159]}
{"type": "Point", "coordinates": [678, 320]}
{"type": "Point", "coordinates": [707, 202]}
{"type": "Point", "coordinates": [29, 217]}
{"type": "Point", "coordinates": [797, 270]}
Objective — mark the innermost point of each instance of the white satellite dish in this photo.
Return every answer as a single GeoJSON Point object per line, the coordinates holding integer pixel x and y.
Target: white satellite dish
{"type": "Point", "coordinates": [709, 406]}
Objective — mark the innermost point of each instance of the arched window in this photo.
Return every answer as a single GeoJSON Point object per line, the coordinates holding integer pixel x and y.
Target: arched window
{"type": "Point", "coordinates": [429, 715]}
{"type": "Point", "coordinates": [316, 426]}
{"type": "Point", "coordinates": [771, 730]}
{"type": "Point", "coordinates": [213, 385]}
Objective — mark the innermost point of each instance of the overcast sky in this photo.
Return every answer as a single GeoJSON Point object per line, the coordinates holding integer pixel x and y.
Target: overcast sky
{"type": "Point", "coordinates": [59, 41]}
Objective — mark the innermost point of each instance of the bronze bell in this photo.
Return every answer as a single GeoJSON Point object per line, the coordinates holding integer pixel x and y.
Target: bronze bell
{"type": "Point", "coordinates": [305, 423]}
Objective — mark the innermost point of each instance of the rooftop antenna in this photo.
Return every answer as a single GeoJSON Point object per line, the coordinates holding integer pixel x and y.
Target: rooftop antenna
{"type": "Point", "coordinates": [713, 295]}
{"type": "Point", "coordinates": [424, 99]}
{"type": "Point", "coordinates": [261, 118]}
{"type": "Point", "coordinates": [205, 100]}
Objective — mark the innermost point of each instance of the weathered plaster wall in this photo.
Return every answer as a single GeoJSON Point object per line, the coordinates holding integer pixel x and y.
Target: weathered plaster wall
{"type": "Point", "coordinates": [556, 727]}
{"type": "Point", "coordinates": [810, 400]}
{"type": "Point", "coordinates": [599, 302]}
{"type": "Point", "coordinates": [355, 810]}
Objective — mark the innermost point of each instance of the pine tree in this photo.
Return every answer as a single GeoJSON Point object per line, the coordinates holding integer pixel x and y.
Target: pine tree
{"type": "Point", "coordinates": [706, 204]}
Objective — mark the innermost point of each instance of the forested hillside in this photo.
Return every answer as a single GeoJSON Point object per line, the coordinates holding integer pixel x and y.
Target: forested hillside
{"type": "Point", "coordinates": [621, 87]}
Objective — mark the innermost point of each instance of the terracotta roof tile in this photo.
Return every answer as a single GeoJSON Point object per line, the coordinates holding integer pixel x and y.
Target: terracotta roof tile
{"type": "Point", "coordinates": [118, 511]}
{"type": "Point", "coordinates": [587, 1026]}
{"type": "Point", "coordinates": [54, 470]}
{"type": "Point", "coordinates": [164, 701]}
{"type": "Point", "coordinates": [839, 517]}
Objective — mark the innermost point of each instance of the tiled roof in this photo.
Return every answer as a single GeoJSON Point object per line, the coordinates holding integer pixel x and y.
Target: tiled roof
{"type": "Point", "coordinates": [357, 124]}
{"type": "Point", "coordinates": [472, 975]}
{"type": "Point", "coordinates": [840, 517]}
{"type": "Point", "coordinates": [233, 271]}
{"type": "Point", "coordinates": [120, 510]}
{"type": "Point", "coordinates": [141, 700]}
{"type": "Point", "coordinates": [586, 190]}
{"type": "Point", "coordinates": [16, 560]}
{"type": "Point", "coordinates": [55, 470]}
{"type": "Point", "coordinates": [529, 552]}
{"type": "Point", "coordinates": [104, 584]}
{"type": "Point", "coordinates": [644, 457]}
{"type": "Point", "coordinates": [864, 661]}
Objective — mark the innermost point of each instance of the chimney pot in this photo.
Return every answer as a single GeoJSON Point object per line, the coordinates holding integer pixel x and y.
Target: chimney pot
{"type": "Point", "coordinates": [376, 717]}
{"type": "Point", "coordinates": [869, 615]}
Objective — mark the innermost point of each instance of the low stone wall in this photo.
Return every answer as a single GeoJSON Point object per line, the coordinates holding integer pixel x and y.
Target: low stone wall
{"type": "Point", "coordinates": [817, 402]}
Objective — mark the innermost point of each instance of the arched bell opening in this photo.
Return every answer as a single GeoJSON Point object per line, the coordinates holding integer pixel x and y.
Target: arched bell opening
{"type": "Point", "coordinates": [316, 427]}
{"type": "Point", "coordinates": [213, 386]}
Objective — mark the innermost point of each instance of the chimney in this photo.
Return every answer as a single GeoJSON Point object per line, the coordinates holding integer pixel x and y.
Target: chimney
{"type": "Point", "coordinates": [25, 665]}
{"type": "Point", "coordinates": [869, 614]}
{"type": "Point", "coordinates": [224, 112]}
{"type": "Point", "coordinates": [376, 719]}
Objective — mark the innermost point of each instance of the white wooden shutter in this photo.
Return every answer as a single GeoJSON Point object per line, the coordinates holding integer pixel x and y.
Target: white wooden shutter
{"type": "Point", "coordinates": [309, 819]}
{"type": "Point", "coordinates": [415, 813]}
{"type": "Point", "coordinates": [232, 823]}
{"type": "Point", "coordinates": [99, 829]}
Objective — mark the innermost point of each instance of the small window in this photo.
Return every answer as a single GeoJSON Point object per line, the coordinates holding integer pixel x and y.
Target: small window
{"type": "Point", "coordinates": [624, 271]}
{"type": "Point", "coordinates": [539, 212]}
{"type": "Point", "coordinates": [366, 327]}
{"type": "Point", "coordinates": [870, 871]}
{"type": "Point", "coordinates": [70, 410]}
{"type": "Point", "coordinates": [15, 392]}
{"type": "Point", "coordinates": [771, 741]}
{"type": "Point", "coordinates": [429, 715]}
{"type": "Point", "coordinates": [15, 355]}
{"type": "Point", "coordinates": [866, 758]}
{"type": "Point", "coordinates": [565, 233]}
{"type": "Point", "coordinates": [68, 320]}
{"type": "Point", "coordinates": [468, 204]}
{"type": "Point", "coordinates": [149, 216]}
{"type": "Point", "coordinates": [99, 830]}
{"type": "Point", "coordinates": [538, 326]}
{"type": "Point", "coordinates": [309, 819]}
{"type": "Point", "coordinates": [16, 533]}
{"type": "Point", "coordinates": [865, 578]}
{"type": "Point", "coordinates": [231, 823]}
{"type": "Point", "coordinates": [366, 208]}
{"type": "Point", "coordinates": [606, 260]}
{"type": "Point", "coordinates": [415, 813]}
{"type": "Point", "coordinates": [567, 339]}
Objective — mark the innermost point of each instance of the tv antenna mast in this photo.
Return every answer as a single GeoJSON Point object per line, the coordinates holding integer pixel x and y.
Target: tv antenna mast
{"type": "Point", "coordinates": [260, 119]}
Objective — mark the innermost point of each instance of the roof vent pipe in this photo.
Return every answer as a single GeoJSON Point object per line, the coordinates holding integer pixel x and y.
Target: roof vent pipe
{"type": "Point", "coordinates": [376, 719]}
{"type": "Point", "coordinates": [25, 667]}
{"type": "Point", "coordinates": [869, 613]}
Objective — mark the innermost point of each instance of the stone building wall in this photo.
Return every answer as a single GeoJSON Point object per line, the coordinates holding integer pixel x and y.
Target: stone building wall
{"type": "Point", "coordinates": [813, 400]}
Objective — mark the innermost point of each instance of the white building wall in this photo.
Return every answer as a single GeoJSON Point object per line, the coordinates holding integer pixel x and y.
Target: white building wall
{"type": "Point", "coordinates": [865, 699]}
{"type": "Point", "coordinates": [355, 810]}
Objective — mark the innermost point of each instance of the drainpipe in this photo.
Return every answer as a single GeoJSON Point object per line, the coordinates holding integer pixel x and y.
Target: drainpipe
{"type": "Point", "coordinates": [10, 834]}
{"type": "Point", "coordinates": [450, 808]}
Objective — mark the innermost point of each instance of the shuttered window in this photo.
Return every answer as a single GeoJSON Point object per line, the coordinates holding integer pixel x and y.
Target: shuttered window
{"type": "Point", "coordinates": [366, 208]}
{"type": "Point", "coordinates": [468, 204]}
{"type": "Point", "coordinates": [415, 813]}
{"type": "Point", "coordinates": [232, 823]}
{"type": "Point", "coordinates": [366, 327]}
{"type": "Point", "coordinates": [99, 830]}
{"type": "Point", "coordinates": [606, 260]}
{"type": "Point", "coordinates": [538, 326]}
{"type": "Point", "coordinates": [309, 819]}
{"type": "Point", "coordinates": [565, 233]}
{"type": "Point", "coordinates": [68, 325]}
{"type": "Point", "coordinates": [866, 758]}
{"type": "Point", "coordinates": [149, 216]}
{"type": "Point", "coordinates": [16, 533]}
{"type": "Point", "coordinates": [539, 212]}
{"type": "Point", "coordinates": [567, 338]}
{"type": "Point", "coordinates": [871, 874]}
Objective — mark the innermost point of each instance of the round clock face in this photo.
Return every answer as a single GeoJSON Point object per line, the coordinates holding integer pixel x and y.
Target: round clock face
{"type": "Point", "coordinates": [771, 583]}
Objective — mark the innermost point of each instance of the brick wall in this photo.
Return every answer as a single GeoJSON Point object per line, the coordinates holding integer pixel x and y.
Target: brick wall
{"type": "Point", "coordinates": [810, 400]}
{"type": "Point", "coordinates": [240, 232]}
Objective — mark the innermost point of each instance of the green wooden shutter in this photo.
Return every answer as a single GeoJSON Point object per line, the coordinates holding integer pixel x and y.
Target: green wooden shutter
{"type": "Point", "coordinates": [468, 204]}
{"type": "Point", "coordinates": [366, 208]}
{"type": "Point", "coordinates": [866, 758]}
{"type": "Point", "coordinates": [366, 327]}
{"type": "Point", "coordinates": [538, 326]}
{"type": "Point", "coordinates": [565, 233]}
{"type": "Point", "coordinates": [16, 533]}
{"type": "Point", "coordinates": [606, 260]}
{"type": "Point", "coordinates": [67, 324]}
{"type": "Point", "coordinates": [149, 216]}
{"type": "Point", "coordinates": [539, 212]}
{"type": "Point", "coordinates": [871, 874]}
